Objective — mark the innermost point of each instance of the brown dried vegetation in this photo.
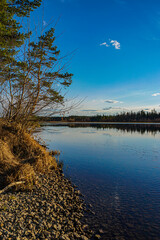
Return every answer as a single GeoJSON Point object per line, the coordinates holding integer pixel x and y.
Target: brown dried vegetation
{"type": "Point", "coordinates": [21, 156]}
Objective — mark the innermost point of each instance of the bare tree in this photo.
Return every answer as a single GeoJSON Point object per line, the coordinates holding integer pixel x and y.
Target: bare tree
{"type": "Point", "coordinates": [33, 76]}
{"type": "Point", "coordinates": [35, 81]}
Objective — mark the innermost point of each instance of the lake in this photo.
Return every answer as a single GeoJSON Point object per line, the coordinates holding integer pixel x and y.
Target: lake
{"type": "Point", "coordinates": [117, 169]}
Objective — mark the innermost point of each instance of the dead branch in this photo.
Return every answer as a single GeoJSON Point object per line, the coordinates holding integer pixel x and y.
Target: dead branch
{"type": "Point", "coordinates": [11, 185]}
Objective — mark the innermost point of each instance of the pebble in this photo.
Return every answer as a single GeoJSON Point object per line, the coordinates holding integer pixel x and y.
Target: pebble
{"type": "Point", "coordinates": [97, 236]}
{"type": "Point", "coordinates": [84, 238]}
{"type": "Point", "coordinates": [52, 210]}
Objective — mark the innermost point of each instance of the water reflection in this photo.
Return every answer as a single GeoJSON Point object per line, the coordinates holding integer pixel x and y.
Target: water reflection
{"type": "Point", "coordinates": [117, 168]}
{"type": "Point", "coordinates": [127, 127]}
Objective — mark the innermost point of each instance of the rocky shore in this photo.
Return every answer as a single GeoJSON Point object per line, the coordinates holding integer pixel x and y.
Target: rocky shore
{"type": "Point", "coordinates": [52, 210]}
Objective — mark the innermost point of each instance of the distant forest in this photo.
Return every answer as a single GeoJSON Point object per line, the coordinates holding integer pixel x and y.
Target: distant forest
{"type": "Point", "coordinates": [140, 116]}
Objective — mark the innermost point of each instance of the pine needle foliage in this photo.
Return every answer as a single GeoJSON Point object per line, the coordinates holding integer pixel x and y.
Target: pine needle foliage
{"type": "Point", "coordinates": [10, 34]}
{"type": "Point", "coordinates": [34, 81]}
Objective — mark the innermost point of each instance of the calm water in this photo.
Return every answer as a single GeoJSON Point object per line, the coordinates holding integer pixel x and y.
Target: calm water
{"type": "Point", "coordinates": [117, 168]}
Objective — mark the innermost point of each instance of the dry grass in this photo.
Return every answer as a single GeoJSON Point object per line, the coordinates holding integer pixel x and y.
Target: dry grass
{"type": "Point", "coordinates": [7, 159]}
{"type": "Point", "coordinates": [21, 157]}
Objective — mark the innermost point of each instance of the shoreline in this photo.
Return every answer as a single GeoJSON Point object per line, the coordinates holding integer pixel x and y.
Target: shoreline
{"type": "Point", "coordinates": [47, 205]}
{"type": "Point", "coordinates": [52, 210]}
{"type": "Point", "coordinates": [120, 123]}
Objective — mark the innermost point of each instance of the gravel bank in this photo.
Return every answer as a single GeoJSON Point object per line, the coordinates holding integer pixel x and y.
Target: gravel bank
{"type": "Point", "coordinates": [53, 210]}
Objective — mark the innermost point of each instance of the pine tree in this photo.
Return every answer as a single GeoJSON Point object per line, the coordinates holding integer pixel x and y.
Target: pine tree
{"type": "Point", "coordinates": [35, 85]}
{"type": "Point", "coordinates": [10, 35]}
{"type": "Point", "coordinates": [35, 81]}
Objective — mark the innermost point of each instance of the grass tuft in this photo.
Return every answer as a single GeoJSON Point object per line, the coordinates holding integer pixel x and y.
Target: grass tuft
{"type": "Point", "coordinates": [21, 156]}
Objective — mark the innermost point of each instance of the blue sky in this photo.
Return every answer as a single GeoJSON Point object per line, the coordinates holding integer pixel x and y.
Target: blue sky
{"type": "Point", "coordinates": [116, 64]}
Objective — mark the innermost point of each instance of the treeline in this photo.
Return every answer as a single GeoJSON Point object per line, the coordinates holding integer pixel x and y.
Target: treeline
{"type": "Point", "coordinates": [140, 116]}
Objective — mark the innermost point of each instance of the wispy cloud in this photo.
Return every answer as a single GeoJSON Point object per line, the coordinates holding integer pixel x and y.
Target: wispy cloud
{"type": "Point", "coordinates": [113, 43]}
{"type": "Point", "coordinates": [112, 101]}
{"type": "Point", "coordinates": [102, 110]}
{"type": "Point", "coordinates": [89, 110]}
{"type": "Point", "coordinates": [104, 44]}
{"type": "Point", "coordinates": [98, 100]}
{"type": "Point", "coordinates": [107, 108]}
{"type": "Point", "coordinates": [115, 109]}
{"type": "Point", "coordinates": [155, 94]}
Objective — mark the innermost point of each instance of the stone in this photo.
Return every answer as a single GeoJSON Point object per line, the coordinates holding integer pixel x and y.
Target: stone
{"type": "Point", "coordinates": [59, 227]}
{"type": "Point", "coordinates": [97, 236]}
{"type": "Point", "coordinates": [52, 211]}
{"type": "Point", "coordinates": [76, 235]}
{"type": "Point", "coordinates": [84, 237]}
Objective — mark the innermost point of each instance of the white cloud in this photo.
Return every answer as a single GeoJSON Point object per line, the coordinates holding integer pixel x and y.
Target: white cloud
{"type": "Point", "coordinates": [104, 44]}
{"type": "Point", "coordinates": [114, 108]}
{"type": "Point", "coordinates": [112, 101]}
{"type": "Point", "coordinates": [115, 43]}
{"type": "Point", "coordinates": [155, 94]}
